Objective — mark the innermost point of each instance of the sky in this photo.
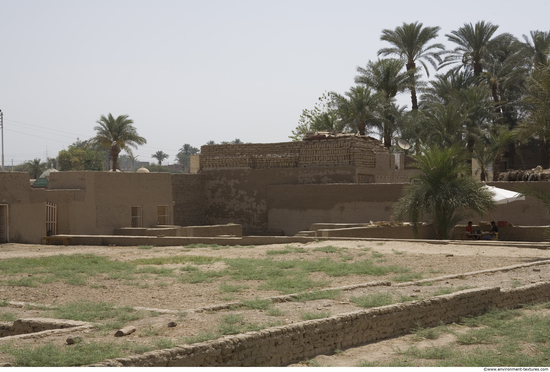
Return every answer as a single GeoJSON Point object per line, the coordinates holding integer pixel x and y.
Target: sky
{"type": "Point", "coordinates": [191, 71]}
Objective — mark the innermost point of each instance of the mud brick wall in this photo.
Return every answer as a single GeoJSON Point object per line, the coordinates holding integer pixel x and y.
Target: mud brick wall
{"type": "Point", "coordinates": [189, 199]}
{"type": "Point", "coordinates": [280, 346]}
{"type": "Point", "coordinates": [358, 151]}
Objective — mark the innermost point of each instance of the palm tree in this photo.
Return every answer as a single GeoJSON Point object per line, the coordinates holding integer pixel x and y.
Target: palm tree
{"type": "Point", "coordinates": [386, 78]}
{"type": "Point", "coordinates": [160, 156]}
{"type": "Point", "coordinates": [35, 167]}
{"type": "Point", "coordinates": [538, 47]}
{"type": "Point", "coordinates": [444, 189]}
{"type": "Point", "coordinates": [474, 43]}
{"type": "Point", "coordinates": [356, 108]}
{"type": "Point", "coordinates": [410, 43]}
{"type": "Point", "coordinates": [116, 135]}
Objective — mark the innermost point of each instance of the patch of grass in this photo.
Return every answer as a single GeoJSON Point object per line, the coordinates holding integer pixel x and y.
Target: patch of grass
{"type": "Point", "coordinates": [291, 284]}
{"type": "Point", "coordinates": [4, 303]}
{"type": "Point", "coordinates": [327, 249]}
{"type": "Point", "coordinates": [275, 312]}
{"type": "Point", "coordinates": [288, 249]}
{"type": "Point", "coordinates": [174, 260]}
{"type": "Point", "coordinates": [515, 283]}
{"type": "Point", "coordinates": [201, 245]}
{"type": "Point", "coordinates": [7, 316]}
{"type": "Point", "coordinates": [145, 247]}
{"type": "Point", "coordinates": [443, 291]}
{"type": "Point", "coordinates": [149, 331]}
{"type": "Point", "coordinates": [399, 253]}
{"type": "Point", "coordinates": [202, 337]}
{"type": "Point", "coordinates": [311, 363]}
{"type": "Point", "coordinates": [257, 303]}
{"type": "Point", "coordinates": [164, 343]}
{"type": "Point", "coordinates": [435, 352]}
{"type": "Point", "coordinates": [318, 295]}
{"type": "Point", "coordinates": [374, 300]}
{"type": "Point", "coordinates": [229, 288]}
{"type": "Point", "coordinates": [377, 255]}
{"type": "Point", "coordinates": [93, 312]}
{"type": "Point", "coordinates": [50, 355]}
{"type": "Point", "coordinates": [315, 315]}
{"type": "Point", "coordinates": [200, 276]}
{"type": "Point", "coordinates": [408, 277]}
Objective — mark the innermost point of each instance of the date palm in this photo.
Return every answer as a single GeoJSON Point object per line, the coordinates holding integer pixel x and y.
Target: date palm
{"type": "Point", "coordinates": [386, 77]}
{"type": "Point", "coordinates": [356, 108]}
{"type": "Point", "coordinates": [160, 156]}
{"type": "Point", "coordinates": [411, 43]}
{"type": "Point", "coordinates": [538, 47]}
{"type": "Point", "coordinates": [116, 134]}
{"type": "Point", "coordinates": [474, 44]}
{"type": "Point", "coordinates": [444, 189]}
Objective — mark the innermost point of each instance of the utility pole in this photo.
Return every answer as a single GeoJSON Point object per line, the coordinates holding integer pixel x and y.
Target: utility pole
{"type": "Point", "coordinates": [2, 129]}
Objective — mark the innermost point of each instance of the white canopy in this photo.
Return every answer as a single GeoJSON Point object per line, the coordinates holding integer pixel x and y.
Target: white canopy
{"type": "Point", "coordinates": [503, 196]}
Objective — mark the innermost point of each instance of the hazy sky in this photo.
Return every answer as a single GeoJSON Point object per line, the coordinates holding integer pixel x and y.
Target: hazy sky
{"type": "Point", "coordinates": [193, 71]}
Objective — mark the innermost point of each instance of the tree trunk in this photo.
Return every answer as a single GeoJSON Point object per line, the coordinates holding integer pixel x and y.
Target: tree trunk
{"type": "Point", "coordinates": [496, 166]}
{"type": "Point", "coordinates": [414, 100]}
{"type": "Point", "coordinates": [114, 155]}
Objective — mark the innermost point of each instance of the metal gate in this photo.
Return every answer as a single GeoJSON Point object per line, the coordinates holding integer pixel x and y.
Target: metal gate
{"type": "Point", "coordinates": [4, 226]}
{"type": "Point", "coordinates": [51, 219]}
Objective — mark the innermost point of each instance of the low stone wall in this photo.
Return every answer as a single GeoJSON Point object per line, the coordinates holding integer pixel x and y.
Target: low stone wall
{"type": "Point", "coordinates": [280, 346]}
{"type": "Point", "coordinates": [198, 231]}
{"type": "Point", "coordinates": [34, 325]}
{"type": "Point", "coordinates": [383, 232]}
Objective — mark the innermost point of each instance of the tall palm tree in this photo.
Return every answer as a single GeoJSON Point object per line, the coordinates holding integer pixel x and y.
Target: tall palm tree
{"type": "Point", "coordinates": [160, 156]}
{"type": "Point", "coordinates": [116, 134]}
{"type": "Point", "coordinates": [444, 189]}
{"type": "Point", "coordinates": [474, 42]}
{"type": "Point", "coordinates": [356, 108]}
{"type": "Point", "coordinates": [410, 43]}
{"type": "Point", "coordinates": [538, 47]}
{"type": "Point", "coordinates": [386, 77]}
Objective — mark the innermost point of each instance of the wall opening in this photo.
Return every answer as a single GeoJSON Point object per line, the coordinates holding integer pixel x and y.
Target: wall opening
{"type": "Point", "coordinates": [163, 215]}
{"type": "Point", "coordinates": [51, 219]}
{"type": "Point", "coordinates": [137, 216]}
{"type": "Point", "coordinates": [4, 226]}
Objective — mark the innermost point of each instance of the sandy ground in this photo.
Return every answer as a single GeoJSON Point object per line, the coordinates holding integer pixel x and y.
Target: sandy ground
{"type": "Point", "coordinates": [192, 306]}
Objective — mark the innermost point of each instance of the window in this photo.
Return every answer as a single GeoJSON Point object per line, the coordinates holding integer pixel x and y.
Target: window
{"type": "Point", "coordinates": [163, 215]}
{"type": "Point", "coordinates": [137, 220]}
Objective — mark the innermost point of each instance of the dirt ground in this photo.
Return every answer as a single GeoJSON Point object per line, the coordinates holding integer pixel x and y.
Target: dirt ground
{"type": "Point", "coordinates": [193, 306]}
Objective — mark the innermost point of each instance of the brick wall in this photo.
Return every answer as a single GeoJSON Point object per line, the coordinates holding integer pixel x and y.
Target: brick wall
{"type": "Point", "coordinates": [358, 151]}
{"type": "Point", "coordinates": [280, 346]}
{"type": "Point", "coordinates": [189, 199]}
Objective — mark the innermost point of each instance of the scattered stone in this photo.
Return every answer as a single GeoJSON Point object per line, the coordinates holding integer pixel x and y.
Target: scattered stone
{"type": "Point", "coordinates": [74, 340]}
{"type": "Point", "coordinates": [416, 290]}
{"type": "Point", "coordinates": [536, 269]}
{"type": "Point", "coordinates": [449, 255]}
{"type": "Point", "coordinates": [125, 331]}
{"type": "Point", "coordinates": [172, 324]}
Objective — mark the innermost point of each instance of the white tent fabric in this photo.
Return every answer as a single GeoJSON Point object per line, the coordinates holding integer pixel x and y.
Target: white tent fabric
{"type": "Point", "coordinates": [503, 196]}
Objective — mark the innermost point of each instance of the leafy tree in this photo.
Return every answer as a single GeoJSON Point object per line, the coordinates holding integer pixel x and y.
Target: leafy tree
{"type": "Point", "coordinates": [183, 157]}
{"type": "Point", "coordinates": [411, 43]}
{"type": "Point", "coordinates": [322, 118]}
{"type": "Point", "coordinates": [157, 168]}
{"type": "Point", "coordinates": [538, 48]}
{"type": "Point", "coordinates": [160, 156]}
{"type": "Point", "coordinates": [80, 158]}
{"type": "Point", "coordinates": [444, 189]}
{"type": "Point", "coordinates": [34, 167]}
{"type": "Point", "coordinates": [210, 143]}
{"type": "Point", "coordinates": [116, 134]}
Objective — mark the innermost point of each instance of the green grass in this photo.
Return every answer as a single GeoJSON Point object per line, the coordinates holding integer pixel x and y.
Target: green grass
{"type": "Point", "coordinates": [288, 249]}
{"type": "Point", "coordinates": [257, 303]}
{"type": "Point", "coordinates": [94, 312]}
{"type": "Point", "coordinates": [275, 312]}
{"type": "Point", "coordinates": [7, 316]}
{"type": "Point", "coordinates": [318, 295]}
{"type": "Point", "coordinates": [374, 300]}
{"type": "Point", "coordinates": [230, 288]}
{"type": "Point", "coordinates": [328, 249]}
{"type": "Point", "coordinates": [307, 315]}
{"type": "Point", "coordinates": [202, 337]}
{"type": "Point", "coordinates": [145, 247]}
{"type": "Point", "coordinates": [407, 277]}
{"type": "Point", "coordinates": [4, 303]}
{"type": "Point", "coordinates": [78, 354]}
{"type": "Point", "coordinates": [174, 260]}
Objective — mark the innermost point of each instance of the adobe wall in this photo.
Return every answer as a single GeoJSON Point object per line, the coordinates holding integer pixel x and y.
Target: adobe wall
{"type": "Point", "coordinates": [26, 215]}
{"type": "Point", "coordinates": [284, 345]}
{"type": "Point", "coordinates": [360, 151]}
{"type": "Point", "coordinates": [240, 195]}
{"type": "Point", "coordinates": [189, 199]}
{"type": "Point", "coordinates": [293, 208]}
